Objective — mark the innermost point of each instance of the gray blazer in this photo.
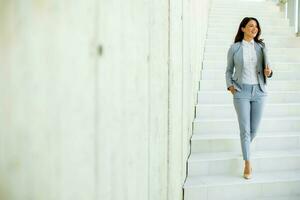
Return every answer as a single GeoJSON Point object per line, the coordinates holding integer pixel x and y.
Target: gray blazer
{"type": "Point", "coordinates": [235, 61]}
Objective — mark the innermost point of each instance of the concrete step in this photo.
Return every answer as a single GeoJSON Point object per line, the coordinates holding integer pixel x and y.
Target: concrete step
{"type": "Point", "coordinates": [230, 142]}
{"type": "Point", "coordinates": [229, 34]}
{"type": "Point", "coordinates": [244, 7]}
{"type": "Point", "coordinates": [216, 50]}
{"type": "Point", "coordinates": [226, 163]}
{"type": "Point", "coordinates": [225, 97]}
{"type": "Point", "coordinates": [228, 187]}
{"type": "Point", "coordinates": [266, 39]}
{"type": "Point", "coordinates": [257, 15]}
{"type": "Point", "coordinates": [289, 124]}
{"type": "Point", "coordinates": [221, 64]}
{"type": "Point", "coordinates": [275, 55]}
{"type": "Point", "coordinates": [219, 111]}
{"type": "Point", "coordinates": [289, 197]}
{"type": "Point", "coordinates": [291, 57]}
{"type": "Point", "coordinates": [239, 18]}
{"type": "Point", "coordinates": [268, 30]}
{"type": "Point", "coordinates": [280, 75]}
{"type": "Point", "coordinates": [230, 26]}
{"type": "Point", "coordinates": [249, 9]}
{"type": "Point", "coordinates": [276, 42]}
{"type": "Point", "coordinates": [241, 4]}
{"type": "Point", "coordinates": [241, 15]}
{"type": "Point", "coordinates": [273, 85]}
{"type": "Point", "coordinates": [254, 11]}
{"type": "Point", "coordinates": [236, 21]}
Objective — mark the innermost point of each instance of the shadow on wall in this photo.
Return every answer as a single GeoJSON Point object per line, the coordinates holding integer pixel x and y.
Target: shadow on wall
{"type": "Point", "coordinates": [4, 38]}
{"type": "Point", "coordinates": [7, 15]}
{"type": "Point", "coordinates": [6, 26]}
{"type": "Point", "coordinates": [3, 14]}
{"type": "Point", "coordinates": [4, 189]}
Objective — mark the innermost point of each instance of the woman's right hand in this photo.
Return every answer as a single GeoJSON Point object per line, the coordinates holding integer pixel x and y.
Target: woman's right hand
{"type": "Point", "coordinates": [232, 89]}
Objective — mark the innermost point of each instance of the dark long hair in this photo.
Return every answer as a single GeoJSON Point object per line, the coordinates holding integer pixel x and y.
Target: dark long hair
{"type": "Point", "coordinates": [240, 34]}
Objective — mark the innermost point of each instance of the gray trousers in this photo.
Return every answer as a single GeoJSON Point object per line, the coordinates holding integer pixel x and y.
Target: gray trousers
{"type": "Point", "coordinates": [248, 104]}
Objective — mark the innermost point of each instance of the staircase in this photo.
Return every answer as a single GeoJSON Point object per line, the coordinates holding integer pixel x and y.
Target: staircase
{"type": "Point", "coordinates": [215, 166]}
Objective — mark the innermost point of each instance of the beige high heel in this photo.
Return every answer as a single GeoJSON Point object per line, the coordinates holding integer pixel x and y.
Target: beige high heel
{"type": "Point", "coordinates": [248, 176]}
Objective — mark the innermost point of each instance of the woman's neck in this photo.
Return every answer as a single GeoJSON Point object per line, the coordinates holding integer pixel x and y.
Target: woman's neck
{"type": "Point", "coordinates": [248, 39]}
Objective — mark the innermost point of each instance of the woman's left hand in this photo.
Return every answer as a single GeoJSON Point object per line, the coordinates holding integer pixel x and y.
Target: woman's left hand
{"type": "Point", "coordinates": [267, 71]}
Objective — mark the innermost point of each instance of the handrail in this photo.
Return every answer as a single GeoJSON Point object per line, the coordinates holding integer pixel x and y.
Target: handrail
{"type": "Point", "coordinates": [292, 12]}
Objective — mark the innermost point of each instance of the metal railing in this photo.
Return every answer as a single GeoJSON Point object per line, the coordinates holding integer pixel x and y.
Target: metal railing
{"type": "Point", "coordinates": [291, 9]}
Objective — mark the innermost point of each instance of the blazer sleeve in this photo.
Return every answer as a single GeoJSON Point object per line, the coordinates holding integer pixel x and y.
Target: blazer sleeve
{"type": "Point", "coordinates": [230, 67]}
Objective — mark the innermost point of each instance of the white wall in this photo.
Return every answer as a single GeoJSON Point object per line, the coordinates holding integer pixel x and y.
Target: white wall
{"type": "Point", "coordinates": [78, 125]}
{"type": "Point", "coordinates": [47, 100]}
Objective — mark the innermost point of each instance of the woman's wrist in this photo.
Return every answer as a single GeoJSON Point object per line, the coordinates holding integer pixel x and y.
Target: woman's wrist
{"type": "Point", "coordinates": [230, 88]}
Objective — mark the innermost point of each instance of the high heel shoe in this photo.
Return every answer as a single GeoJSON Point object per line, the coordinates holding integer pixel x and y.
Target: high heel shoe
{"type": "Point", "coordinates": [248, 176]}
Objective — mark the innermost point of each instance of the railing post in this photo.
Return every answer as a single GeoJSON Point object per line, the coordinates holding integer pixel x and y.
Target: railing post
{"type": "Point", "coordinates": [286, 10]}
{"type": "Point", "coordinates": [297, 18]}
{"type": "Point", "coordinates": [292, 9]}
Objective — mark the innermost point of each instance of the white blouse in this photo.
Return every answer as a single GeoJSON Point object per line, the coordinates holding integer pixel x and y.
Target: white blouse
{"type": "Point", "coordinates": [249, 75]}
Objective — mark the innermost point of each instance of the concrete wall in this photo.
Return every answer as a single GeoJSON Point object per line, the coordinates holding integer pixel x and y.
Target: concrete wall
{"type": "Point", "coordinates": [47, 72]}
{"type": "Point", "coordinates": [79, 124]}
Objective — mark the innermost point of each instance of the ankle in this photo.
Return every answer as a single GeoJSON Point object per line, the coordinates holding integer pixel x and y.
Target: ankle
{"type": "Point", "coordinates": [247, 163]}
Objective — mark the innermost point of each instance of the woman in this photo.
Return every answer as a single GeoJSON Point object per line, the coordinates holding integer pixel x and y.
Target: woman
{"type": "Point", "coordinates": [246, 73]}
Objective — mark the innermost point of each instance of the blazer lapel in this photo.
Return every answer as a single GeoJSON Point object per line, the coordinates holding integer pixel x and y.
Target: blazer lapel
{"type": "Point", "coordinates": [258, 54]}
{"type": "Point", "coordinates": [261, 59]}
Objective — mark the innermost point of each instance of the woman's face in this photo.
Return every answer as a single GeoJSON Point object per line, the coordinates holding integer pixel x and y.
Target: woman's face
{"type": "Point", "coordinates": [251, 29]}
